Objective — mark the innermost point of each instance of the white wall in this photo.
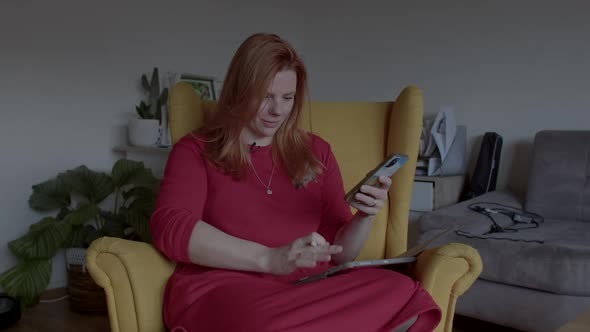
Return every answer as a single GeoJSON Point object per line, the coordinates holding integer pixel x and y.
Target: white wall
{"type": "Point", "coordinates": [69, 76]}
{"type": "Point", "coordinates": [514, 67]}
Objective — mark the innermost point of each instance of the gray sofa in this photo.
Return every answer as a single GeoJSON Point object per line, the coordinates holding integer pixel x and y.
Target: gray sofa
{"type": "Point", "coordinates": [534, 279]}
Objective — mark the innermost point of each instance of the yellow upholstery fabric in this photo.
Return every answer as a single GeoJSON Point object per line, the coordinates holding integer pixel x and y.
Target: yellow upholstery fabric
{"type": "Point", "coordinates": [133, 275]}
{"type": "Point", "coordinates": [446, 273]}
{"type": "Point", "coordinates": [361, 134]}
{"type": "Point", "coordinates": [358, 142]}
{"type": "Point", "coordinates": [188, 113]}
{"type": "Point", "coordinates": [403, 136]}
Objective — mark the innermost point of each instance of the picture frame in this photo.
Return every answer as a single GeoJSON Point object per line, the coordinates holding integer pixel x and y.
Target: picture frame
{"type": "Point", "coordinates": [203, 85]}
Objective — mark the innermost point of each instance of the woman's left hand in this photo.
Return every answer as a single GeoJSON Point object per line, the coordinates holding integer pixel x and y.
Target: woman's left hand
{"type": "Point", "coordinates": [371, 199]}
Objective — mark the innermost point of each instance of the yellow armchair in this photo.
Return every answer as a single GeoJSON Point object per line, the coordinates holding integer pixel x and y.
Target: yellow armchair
{"type": "Point", "coordinates": [361, 134]}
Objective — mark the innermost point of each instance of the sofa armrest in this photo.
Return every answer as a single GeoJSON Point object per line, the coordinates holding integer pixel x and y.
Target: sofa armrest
{"type": "Point", "coordinates": [132, 274]}
{"type": "Point", "coordinates": [446, 273]}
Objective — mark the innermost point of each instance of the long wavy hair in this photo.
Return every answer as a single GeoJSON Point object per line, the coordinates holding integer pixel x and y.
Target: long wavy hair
{"type": "Point", "coordinates": [252, 69]}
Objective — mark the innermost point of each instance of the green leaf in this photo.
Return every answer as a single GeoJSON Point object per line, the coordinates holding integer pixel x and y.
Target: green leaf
{"type": "Point", "coordinates": [82, 213]}
{"type": "Point", "coordinates": [153, 109]}
{"type": "Point", "coordinates": [43, 240]}
{"type": "Point", "coordinates": [138, 110]}
{"type": "Point", "coordinates": [127, 172]}
{"type": "Point", "coordinates": [145, 83]}
{"type": "Point", "coordinates": [27, 279]}
{"type": "Point", "coordinates": [155, 81]}
{"type": "Point", "coordinates": [107, 215]}
{"type": "Point", "coordinates": [79, 235]}
{"type": "Point", "coordinates": [140, 223]}
{"type": "Point", "coordinates": [140, 198]}
{"type": "Point", "coordinates": [91, 236]}
{"type": "Point", "coordinates": [41, 224]}
{"type": "Point", "coordinates": [113, 228]}
{"type": "Point", "coordinates": [50, 195]}
{"type": "Point", "coordinates": [144, 110]}
{"type": "Point", "coordinates": [63, 212]}
{"type": "Point", "coordinates": [94, 186]}
{"type": "Point", "coordinates": [76, 219]}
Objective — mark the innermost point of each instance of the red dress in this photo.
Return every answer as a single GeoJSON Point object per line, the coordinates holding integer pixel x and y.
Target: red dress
{"type": "Point", "coordinates": [199, 298]}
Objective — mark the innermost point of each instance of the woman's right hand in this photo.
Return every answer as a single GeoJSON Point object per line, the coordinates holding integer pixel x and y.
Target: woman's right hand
{"type": "Point", "coordinates": [303, 252]}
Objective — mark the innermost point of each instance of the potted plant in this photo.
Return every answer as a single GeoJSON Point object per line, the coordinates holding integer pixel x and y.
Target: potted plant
{"type": "Point", "coordinates": [85, 205]}
{"type": "Point", "coordinates": [144, 130]}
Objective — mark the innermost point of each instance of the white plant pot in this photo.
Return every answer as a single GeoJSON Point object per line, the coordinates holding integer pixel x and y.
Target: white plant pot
{"type": "Point", "coordinates": [76, 256]}
{"type": "Point", "coordinates": [143, 132]}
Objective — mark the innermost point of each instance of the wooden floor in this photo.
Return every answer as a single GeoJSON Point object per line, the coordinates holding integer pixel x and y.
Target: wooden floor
{"type": "Point", "coordinates": [57, 316]}
{"type": "Point", "coordinates": [580, 324]}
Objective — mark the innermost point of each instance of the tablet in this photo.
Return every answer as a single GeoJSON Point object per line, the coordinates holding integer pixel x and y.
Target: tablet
{"type": "Point", "coordinates": [355, 265]}
{"type": "Point", "coordinates": [409, 256]}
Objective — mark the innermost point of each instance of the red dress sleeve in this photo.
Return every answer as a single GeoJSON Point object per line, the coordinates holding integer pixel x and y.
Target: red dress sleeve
{"type": "Point", "coordinates": [335, 209]}
{"type": "Point", "coordinates": [181, 200]}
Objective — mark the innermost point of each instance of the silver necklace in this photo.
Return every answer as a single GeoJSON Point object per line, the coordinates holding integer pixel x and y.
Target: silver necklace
{"type": "Point", "coordinates": [267, 186]}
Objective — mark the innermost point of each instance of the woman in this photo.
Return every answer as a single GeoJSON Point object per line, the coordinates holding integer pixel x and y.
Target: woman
{"type": "Point", "coordinates": [250, 203]}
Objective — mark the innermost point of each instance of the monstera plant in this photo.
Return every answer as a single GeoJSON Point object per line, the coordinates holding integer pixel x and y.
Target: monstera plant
{"type": "Point", "coordinates": [84, 206]}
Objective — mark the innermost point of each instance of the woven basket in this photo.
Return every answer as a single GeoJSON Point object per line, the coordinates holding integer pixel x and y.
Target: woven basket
{"type": "Point", "coordinates": [84, 294]}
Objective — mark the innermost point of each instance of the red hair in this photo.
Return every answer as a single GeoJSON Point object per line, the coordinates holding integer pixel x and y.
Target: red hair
{"type": "Point", "coordinates": [252, 69]}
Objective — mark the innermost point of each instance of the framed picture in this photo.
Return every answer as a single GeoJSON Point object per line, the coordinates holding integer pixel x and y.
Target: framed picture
{"type": "Point", "coordinates": [204, 86]}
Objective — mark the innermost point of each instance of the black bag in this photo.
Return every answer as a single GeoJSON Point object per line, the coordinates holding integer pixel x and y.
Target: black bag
{"type": "Point", "coordinates": [485, 173]}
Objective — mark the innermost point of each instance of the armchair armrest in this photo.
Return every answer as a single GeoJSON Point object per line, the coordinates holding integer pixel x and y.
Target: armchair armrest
{"type": "Point", "coordinates": [133, 274]}
{"type": "Point", "coordinates": [446, 273]}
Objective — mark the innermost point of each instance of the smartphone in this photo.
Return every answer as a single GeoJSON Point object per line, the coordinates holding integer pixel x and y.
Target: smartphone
{"type": "Point", "coordinates": [387, 168]}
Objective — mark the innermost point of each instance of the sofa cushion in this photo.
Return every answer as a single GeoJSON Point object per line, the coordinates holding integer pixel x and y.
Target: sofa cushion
{"type": "Point", "coordinates": [559, 183]}
{"type": "Point", "coordinates": [559, 265]}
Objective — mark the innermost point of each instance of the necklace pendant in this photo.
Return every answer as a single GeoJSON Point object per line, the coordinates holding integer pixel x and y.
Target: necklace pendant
{"type": "Point", "coordinates": [268, 191]}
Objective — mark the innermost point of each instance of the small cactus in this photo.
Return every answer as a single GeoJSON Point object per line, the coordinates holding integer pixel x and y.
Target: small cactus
{"type": "Point", "coordinates": [156, 99]}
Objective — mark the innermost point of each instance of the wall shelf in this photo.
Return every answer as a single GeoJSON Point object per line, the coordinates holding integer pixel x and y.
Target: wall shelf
{"type": "Point", "coordinates": [153, 157]}
{"type": "Point", "coordinates": [141, 149]}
